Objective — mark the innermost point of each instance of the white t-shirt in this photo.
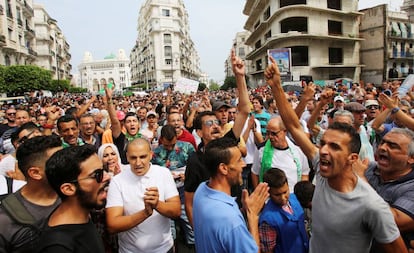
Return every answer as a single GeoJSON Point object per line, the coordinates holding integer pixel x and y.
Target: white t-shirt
{"type": "Point", "coordinates": [17, 184]}
{"type": "Point", "coordinates": [127, 190]}
{"type": "Point", "coordinates": [250, 145]}
{"type": "Point", "coordinates": [283, 159]}
{"type": "Point", "coordinates": [7, 163]}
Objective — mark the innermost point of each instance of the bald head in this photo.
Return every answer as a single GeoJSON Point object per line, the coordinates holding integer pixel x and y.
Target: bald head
{"type": "Point", "coordinates": [140, 142]}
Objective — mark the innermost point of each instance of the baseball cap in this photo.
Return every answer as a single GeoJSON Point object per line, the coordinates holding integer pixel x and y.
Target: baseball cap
{"type": "Point", "coordinates": [339, 98]}
{"type": "Point", "coordinates": [151, 113]}
{"type": "Point", "coordinates": [354, 107]}
{"type": "Point", "coordinates": [218, 104]}
{"type": "Point", "coordinates": [370, 102]}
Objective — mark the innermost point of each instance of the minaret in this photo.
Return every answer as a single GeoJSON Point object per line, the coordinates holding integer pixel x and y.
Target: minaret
{"type": "Point", "coordinates": [408, 6]}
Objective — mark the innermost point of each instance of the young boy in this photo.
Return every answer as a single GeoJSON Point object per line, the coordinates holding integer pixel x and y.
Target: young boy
{"type": "Point", "coordinates": [281, 224]}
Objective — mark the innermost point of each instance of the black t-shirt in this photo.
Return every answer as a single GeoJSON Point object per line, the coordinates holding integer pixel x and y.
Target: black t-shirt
{"type": "Point", "coordinates": [196, 172]}
{"type": "Point", "coordinates": [71, 238]}
{"type": "Point", "coordinates": [121, 143]}
{"type": "Point", "coordinates": [4, 128]}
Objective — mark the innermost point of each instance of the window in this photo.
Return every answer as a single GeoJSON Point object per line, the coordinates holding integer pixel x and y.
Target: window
{"type": "Point", "coordinates": [300, 56]}
{"type": "Point", "coordinates": [335, 55]}
{"type": "Point", "coordinates": [8, 9]}
{"type": "Point", "coordinates": [334, 4]}
{"type": "Point", "coordinates": [284, 3]}
{"type": "Point", "coordinates": [167, 52]}
{"type": "Point", "coordinates": [299, 24]}
{"type": "Point", "coordinates": [266, 13]}
{"type": "Point", "coordinates": [268, 35]}
{"type": "Point", "coordinates": [165, 12]}
{"type": "Point", "coordinates": [258, 44]}
{"type": "Point", "coordinates": [7, 60]}
{"type": "Point", "coordinates": [257, 24]}
{"type": "Point", "coordinates": [241, 52]}
{"type": "Point", "coordinates": [259, 65]}
{"type": "Point", "coordinates": [167, 38]}
{"type": "Point", "coordinates": [334, 27]}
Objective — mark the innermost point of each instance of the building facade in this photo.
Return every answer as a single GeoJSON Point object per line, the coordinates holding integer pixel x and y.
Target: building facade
{"type": "Point", "coordinates": [387, 51]}
{"type": "Point", "coordinates": [51, 46]}
{"type": "Point", "coordinates": [241, 49]}
{"type": "Point", "coordinates": [96, 74]}
{"type": "Point", "coordinates": [17, 35]}
{"type": "Point", "coordinates": [164, 51]}
{"type": "Point", "coordinates": [321, 38]}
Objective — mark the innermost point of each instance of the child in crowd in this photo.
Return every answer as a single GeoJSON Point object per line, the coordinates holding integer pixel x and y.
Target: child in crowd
{"type": "Point", "coordinates": [281, 223]}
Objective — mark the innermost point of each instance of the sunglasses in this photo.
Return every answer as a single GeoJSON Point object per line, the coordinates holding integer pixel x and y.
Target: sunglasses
{"type": "Point", "coordinates": [11, 113]}
{"type": "Point", "coordinates": [26, 137]}
{"type": "Point", "coordinates": [373, 107]}
{"type": "Point", "coordinates": [273, 134]}
{"type": "Point", "coordinates": [97, 175]}
{"type": "Point", "coordinates": [209, 123]}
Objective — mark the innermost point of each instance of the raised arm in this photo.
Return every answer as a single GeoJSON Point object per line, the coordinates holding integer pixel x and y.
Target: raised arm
{"type": "Point", "coordinates": [325, 98]}
{"type": "Point", "coordinates": [308, 95]}
{"type": "Point", "coordinates": [392, 103]}
{"type": "Point", "coordinates": [243, 106]}
{"type": "Point", "coordinates": [289, 117]}
{"type": "Point", "coordinates": [115, 124]}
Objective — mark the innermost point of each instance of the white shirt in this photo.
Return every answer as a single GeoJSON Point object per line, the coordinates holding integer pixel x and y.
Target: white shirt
{"type": "Point", "coordinates": [127, 190]}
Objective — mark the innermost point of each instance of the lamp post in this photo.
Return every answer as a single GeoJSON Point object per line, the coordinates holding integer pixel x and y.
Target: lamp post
{"type": "Point", "coordinates": [174, 56]}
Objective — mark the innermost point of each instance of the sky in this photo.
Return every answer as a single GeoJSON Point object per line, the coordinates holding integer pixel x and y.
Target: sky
{"type": "Point", "coordinates": [104, 26]}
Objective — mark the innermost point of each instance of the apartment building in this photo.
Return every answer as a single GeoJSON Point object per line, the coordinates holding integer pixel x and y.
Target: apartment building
{"type": "Point", "coordinates": [241, 50]}
{"type": "Point", "coordinates": [164, 50]}
{"type": "Point", "coordinates": [320, 38]}
{"type": "Point", "coordinates": [51, 46]}
{"type": "Point", "coordinates": [17, 35]}
{"type": "Point", "coordinates": [387, 51]}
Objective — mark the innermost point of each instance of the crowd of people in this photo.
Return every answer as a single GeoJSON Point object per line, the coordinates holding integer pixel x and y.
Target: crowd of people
{"type": "Point", "coordinates": [328, 169]}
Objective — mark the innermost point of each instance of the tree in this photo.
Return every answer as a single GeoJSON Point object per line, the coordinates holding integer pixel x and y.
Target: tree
{"type": "Point", "coordinates": [21, 78]}
{"type": "Point", "coordinates": [60, 85]}
{"type": "Point", "coordinates": [214, 86]}
{"type": "Point", "coordinates": [229, 82]}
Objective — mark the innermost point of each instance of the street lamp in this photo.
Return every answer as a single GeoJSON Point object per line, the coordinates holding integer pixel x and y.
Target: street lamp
{"type": "Point", "coordinates": [174, 56]}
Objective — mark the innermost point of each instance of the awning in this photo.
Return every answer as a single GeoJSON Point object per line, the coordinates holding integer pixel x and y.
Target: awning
{"type": "Point", "coordinates": [395, 29]}
{"type": "Point", "coordinates": [403, 29]}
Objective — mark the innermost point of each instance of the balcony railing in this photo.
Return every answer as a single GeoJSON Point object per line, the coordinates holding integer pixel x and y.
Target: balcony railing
{"type": "Point", "coordinates": [401, 55]}
{"type": "Point", "coordinates": [27, 9]}
{"type": "Point", "coordinates": [32, 52]}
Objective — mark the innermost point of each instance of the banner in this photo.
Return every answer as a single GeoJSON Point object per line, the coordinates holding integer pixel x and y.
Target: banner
{"type": "Point", "coordinates": [186, 86]}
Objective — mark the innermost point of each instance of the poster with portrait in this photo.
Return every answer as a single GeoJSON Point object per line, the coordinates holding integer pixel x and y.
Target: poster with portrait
{"type": "Point", "coordinates": [283, 59]}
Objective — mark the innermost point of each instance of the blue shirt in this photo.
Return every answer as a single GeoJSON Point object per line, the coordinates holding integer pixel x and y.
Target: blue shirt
{"type": "Point", "coordinates": [218, 223]}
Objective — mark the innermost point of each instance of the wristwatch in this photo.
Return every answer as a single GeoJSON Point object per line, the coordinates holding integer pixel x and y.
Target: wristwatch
{"type": "Point", "coordinates": [395, 110]}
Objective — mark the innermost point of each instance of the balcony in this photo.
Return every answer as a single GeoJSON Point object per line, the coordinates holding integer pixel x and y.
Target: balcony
{"type": "Point", "coordinates": [30, 32]}
{"type": "Point", "coordinates": [32, 52]}
{"type": "Point", "coordinates": [27, 10]}
{"type": "Point", "coordinates": [400, 55]}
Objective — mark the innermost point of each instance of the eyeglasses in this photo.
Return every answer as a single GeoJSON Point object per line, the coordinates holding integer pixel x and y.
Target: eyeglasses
{"type": "Point", "coordinates": [97, 175]}
{"type": "Point", "coordinates": [373, 107]}
{"type": "Point", "coordinates": [26, 137]}
{"type": "Point", "coordinates": [11, 113]}
{"type": "Point", "coordinates": [209, 123]}
{"type": "Point", "coordinates": [274, 134]}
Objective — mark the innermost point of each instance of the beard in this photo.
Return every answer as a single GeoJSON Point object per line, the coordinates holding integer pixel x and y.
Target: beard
{"type": "Point", "coordinates": [86, 200]}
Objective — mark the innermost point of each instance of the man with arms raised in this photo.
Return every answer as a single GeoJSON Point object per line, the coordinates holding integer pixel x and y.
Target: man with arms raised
{"type": "Point", "coordinates": [347, 213]}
